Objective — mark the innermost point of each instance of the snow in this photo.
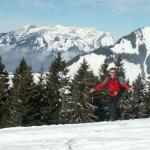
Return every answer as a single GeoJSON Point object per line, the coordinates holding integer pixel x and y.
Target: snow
{"type": "Point", "coordinates": [131, 70]}
{"type": "Point", "coordinates": [74, 41]}
{"type": "Point", "coordinates": [146, 35]}
{"type": "Point", "coordinates": [93, 60]}
{"type": "Point", "coordinates": [106, 40]}
{"type": "Point", "coordinates": [117, 135]}
{"type": "Point", "coordinates": [35, 77]}
{"type": "Point", "coordinates": [40, 43]}
{"type": "Point", "coordinates": [82, 37]}
{"type": "Point", "coordinates": [45, 42]}
{"type": "Point", "coordinates": [10, 79]}
{"type": "Point", "coordinates": [125, 46]}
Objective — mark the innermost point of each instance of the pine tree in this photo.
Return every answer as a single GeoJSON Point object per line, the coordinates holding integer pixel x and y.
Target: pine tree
{"type": "Point", "coordinates": [147, 100]}
{"type": "Point", "coordinates": [56, 83]}
{"type": "Point", "coordinates": [103, 71]}
{"type": "Point", "coordinates": [37, 101]}
{"type": "Point", "coordinates": [119, 65]}
{"type": "Point", "coordinates": [102, 97]}
{"type": "Point", "coordinates": [22, 95]}
{"type": "Point", "coordinates": [82, 109]}
{"type": "Point", "coordinates": [4, 96]}
{"type": "Point", "coordinates": [65, 93]}
{"type": "Point", "coordinates": [125, 105]}
{"type": "Point", "coordinates": [124, 102]}
{"type": "Point", "coordinates": [138, 98]}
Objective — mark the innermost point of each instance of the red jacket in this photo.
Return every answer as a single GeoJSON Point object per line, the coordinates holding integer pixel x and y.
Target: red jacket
{"type": "Point", "coordinates": [114, 85]}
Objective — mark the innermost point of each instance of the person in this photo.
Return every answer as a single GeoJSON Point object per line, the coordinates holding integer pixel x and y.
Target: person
{"type": "Point", "coordinates": [114, 84]}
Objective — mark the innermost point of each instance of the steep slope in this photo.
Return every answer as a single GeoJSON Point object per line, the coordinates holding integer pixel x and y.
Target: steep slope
{"type": "Point", "coordinates": [39, 45]}
{"type": "Point", "coordinates": [118, 135]}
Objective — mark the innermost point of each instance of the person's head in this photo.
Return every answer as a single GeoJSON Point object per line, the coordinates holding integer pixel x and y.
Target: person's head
{"type": "Point", "coordinates": [112, 72]}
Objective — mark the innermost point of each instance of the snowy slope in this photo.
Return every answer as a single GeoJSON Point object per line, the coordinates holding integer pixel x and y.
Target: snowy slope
{"type": "Point", "coordinates": [39, 45]}
{"type": "Point", "coordinates": [118, 135]}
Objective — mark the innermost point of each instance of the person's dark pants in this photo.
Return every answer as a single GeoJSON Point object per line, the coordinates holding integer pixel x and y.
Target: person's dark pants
{"type": "Point", "coordinates": [113, 108]}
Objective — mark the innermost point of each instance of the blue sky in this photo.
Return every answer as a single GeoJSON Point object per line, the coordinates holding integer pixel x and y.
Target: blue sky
{"type": "Point", "coordinates": [119, 17]}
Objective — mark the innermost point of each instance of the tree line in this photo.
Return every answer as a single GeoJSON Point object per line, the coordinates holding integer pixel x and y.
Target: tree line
{"type": "Point", "coordinates": [56, 98]}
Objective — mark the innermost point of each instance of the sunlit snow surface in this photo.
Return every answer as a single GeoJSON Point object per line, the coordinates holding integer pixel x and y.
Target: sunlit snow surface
{"type": "Point", "coordinates": [118, 135]}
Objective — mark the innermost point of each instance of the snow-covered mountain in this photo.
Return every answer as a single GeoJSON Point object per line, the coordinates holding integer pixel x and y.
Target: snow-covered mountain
{"type": "Point", "coordinates": [118, 135]}
{"type": "Point", "coordinates": [39, 45]}
{"type": "Point", "coordinates": [135, 50]}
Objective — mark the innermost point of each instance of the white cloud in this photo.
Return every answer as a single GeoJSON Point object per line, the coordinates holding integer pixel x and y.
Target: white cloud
{"type": "Point", "coordinates": [85, 2]}
{"type": "Point", "coordinates": [120, 5]}
{"type": "Point", "coordinates": [32, 2]}
{"type": "Point", "coordinates": [38, 2]}
{"type": "Point", "coordinates": [129, 5]}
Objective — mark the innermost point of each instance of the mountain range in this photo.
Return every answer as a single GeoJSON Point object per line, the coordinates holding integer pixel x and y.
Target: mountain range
{"type": "Point", "coordinates": [39, 46]}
